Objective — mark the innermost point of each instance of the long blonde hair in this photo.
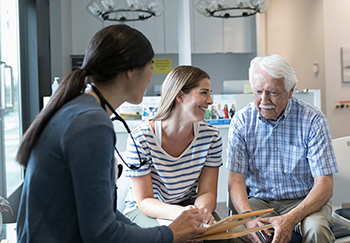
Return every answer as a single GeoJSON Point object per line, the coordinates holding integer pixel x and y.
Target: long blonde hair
{"type": "Point", "coordinates": [181, 78]}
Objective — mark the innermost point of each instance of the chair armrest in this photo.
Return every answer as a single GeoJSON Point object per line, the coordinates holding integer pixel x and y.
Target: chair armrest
{"type": "Point", "coordinates": [345, 205]}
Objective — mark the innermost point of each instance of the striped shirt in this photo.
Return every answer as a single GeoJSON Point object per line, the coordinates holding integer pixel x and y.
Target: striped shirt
{"type": "Point", "coordinates": [173, 179]}
{"type": "Point", "coordinates": [281, 159]}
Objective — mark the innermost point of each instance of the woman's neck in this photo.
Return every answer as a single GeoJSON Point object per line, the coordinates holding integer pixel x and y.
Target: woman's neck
{"type": "Point", "coordinates": [112, 94]}
{"type": "Point", "coordinates": [175, 127]}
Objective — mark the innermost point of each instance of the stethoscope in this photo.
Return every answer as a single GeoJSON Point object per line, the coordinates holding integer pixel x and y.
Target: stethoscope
{"type": "Point", "coordinates": [105, 103]}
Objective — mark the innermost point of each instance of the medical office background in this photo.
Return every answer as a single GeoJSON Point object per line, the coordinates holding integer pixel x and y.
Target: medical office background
{"type": "Point", "coordinates": [309, 34]}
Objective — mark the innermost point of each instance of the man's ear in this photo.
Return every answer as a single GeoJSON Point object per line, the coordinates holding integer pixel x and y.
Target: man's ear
{"type": "Point", "coordinates": [291, 92]}
{"type": "Point", "coordinates": [179, 96]}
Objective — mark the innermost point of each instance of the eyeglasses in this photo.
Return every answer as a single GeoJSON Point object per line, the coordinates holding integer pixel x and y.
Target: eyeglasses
{"type": "Point", "coordinates": [104, 103]}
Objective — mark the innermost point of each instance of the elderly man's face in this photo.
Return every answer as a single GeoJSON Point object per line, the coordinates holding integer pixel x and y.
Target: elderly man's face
{"type": "Point", "coordinates": [270, 95]}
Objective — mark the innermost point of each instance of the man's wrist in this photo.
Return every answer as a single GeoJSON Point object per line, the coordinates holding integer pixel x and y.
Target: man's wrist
{"type": "Point", "coordinates": [252, 217]}
{"type": "Point", "coordinates": [246, 212]}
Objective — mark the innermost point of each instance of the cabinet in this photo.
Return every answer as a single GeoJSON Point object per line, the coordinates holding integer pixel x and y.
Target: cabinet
{"type": "Point", "coordinates": [171, 27]}
{"type": "Point", "coordinates": [153, 29]}
{"type": "Point", "coordinates": [84, 26]}
{"type": "Point", "coordinates": [218, 35]}
{"type": "Point", "coordinates": [208, 35]}
{"type": "Point", "coordinates": [239, 35]}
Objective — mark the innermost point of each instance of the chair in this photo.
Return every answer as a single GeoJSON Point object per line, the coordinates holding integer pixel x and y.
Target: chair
{"type": "Point", "coordinates": [123, 183]}
{"type": "Point", "coordinates": [341, 191]}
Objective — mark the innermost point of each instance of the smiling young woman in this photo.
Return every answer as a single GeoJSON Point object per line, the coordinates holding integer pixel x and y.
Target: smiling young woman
{"type": "Point", "coordinates": [184, 153]}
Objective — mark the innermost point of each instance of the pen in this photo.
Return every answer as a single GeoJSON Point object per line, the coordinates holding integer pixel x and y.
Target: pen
{"type": "Point", "coordinates": [201, 224]}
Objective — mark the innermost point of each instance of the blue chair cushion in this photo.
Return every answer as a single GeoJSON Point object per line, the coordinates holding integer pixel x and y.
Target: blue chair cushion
{"type": "Point", "coordinates": [340, 230]}
{"type": "Point", "coordinates": [296, 237]}
{"type": "Point", "coordinates": [344, 212]}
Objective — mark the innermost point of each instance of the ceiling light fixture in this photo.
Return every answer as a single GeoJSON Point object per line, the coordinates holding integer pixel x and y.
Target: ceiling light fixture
{"type": "Point", "coordinates": [240, 8]}
{"type": "Point", "coordinates": [125, 10]}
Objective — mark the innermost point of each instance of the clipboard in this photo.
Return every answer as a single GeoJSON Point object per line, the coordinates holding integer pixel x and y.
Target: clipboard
{"type": "Point", "coordinates": [218, 231]}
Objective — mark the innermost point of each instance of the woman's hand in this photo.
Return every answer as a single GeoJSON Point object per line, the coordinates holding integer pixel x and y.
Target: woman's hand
{"type": "Point", "coordinates": [188, 225]}
{"type": "Point", "coordinates": [208, 217]}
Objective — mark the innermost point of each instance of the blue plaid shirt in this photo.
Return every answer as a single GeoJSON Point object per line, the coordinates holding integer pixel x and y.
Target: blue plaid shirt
{"type": "Point", "coordinates": [281, 158]}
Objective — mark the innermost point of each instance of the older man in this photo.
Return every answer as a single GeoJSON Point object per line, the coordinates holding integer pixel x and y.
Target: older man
{"type": "Point", "coordinates": [281, 149]}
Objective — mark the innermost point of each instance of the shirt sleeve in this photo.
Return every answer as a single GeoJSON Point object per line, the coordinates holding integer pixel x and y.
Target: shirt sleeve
{"type": "Point", "coordinates": [92, 171]}
{"type": "Point", "coordinates": [320, 153]}
{"type": "Point", "coordinates": [237, 151]}
{"type": "Point", "coordinates": [214, 156]}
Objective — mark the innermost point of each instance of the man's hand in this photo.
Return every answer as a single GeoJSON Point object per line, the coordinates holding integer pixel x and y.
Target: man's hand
{"type": "Point", "coordinates": [283, 226]}
{"type": "Point", "coordinates": [252, 236]}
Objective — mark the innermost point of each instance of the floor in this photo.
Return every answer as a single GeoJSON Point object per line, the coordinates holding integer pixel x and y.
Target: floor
{"type": "Point", "coordinates": [221, 209]}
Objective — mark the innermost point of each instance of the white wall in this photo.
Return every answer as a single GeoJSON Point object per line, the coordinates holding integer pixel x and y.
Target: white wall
{"type": "Point", "coordinates": [336, 34]}
{"type": "Point", "coordinates": [305, 32]}
{"type": "Point", "coordinates": [60, 37]}
{"type": "Point", "coordinates": [294, 29]}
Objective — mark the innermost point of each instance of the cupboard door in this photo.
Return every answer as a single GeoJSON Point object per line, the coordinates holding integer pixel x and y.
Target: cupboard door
{"type": "Point", "coordinates": [207, 33]}
{"type": "Point", "coordinates": [171, 27]}
{"type": "Point", "coordinates": [84, 26]}
{"type": "Point", "coordinates": [153, 29]}
{"type": "Point", "coordinates": [239, 35]}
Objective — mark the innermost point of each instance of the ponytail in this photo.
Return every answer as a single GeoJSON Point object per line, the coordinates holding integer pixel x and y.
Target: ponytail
{"type": "Point", "coordinates": [112, 50]}
{"type": "Point", "coordinates": [70, 87]}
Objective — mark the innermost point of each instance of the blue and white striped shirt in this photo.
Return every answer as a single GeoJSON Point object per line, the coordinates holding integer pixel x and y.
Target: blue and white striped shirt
{"type": "Point", "coordinates": [173, 179]}
{"type": "Point", "coordinates": [281, 159]}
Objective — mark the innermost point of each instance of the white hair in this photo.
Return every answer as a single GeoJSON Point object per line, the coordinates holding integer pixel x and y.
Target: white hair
{"type": "Point", "coordinates": [277, 67]}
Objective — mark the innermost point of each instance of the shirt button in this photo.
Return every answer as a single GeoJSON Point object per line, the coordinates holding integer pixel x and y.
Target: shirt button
{"type": "Point", "coordinates": [283, 122]}
{"type": "Point", "coordinates": [275, 168]}
{"type": "Point", "coordinates": [275, 149]}
{"type": "Point", "coordinates": [275, 130]}
{"type": "Point", "coordinates": [277, 187]}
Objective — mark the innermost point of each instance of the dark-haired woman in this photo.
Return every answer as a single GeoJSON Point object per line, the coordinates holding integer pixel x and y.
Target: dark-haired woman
{"type": "Point", "coordinates": [69, 190]}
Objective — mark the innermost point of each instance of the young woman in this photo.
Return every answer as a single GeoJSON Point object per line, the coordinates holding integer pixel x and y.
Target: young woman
{"type": "Point", "coordinates": [182, 150]}
{"type": "Point", "coordinates": [232, 110]}
{"type": "Point", "coordinates": [213, 113]}
{"type": "Point", "coordinates": [69, 189]}
{"type": "Point", "coordinates": [226, 111]}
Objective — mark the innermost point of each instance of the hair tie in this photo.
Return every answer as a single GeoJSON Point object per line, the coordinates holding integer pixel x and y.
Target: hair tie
{"type": "Point", "coordinates": [87, 73]}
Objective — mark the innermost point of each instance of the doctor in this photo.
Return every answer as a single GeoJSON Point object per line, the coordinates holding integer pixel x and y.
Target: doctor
{"type": "Point", "coordinates": [69, 189]}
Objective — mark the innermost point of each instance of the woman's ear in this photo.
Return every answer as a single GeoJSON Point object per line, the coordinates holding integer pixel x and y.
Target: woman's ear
{"type": "Point", "coordinates": [129, 73]}
{"type": "Point", "coordinates": [179, 96]}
